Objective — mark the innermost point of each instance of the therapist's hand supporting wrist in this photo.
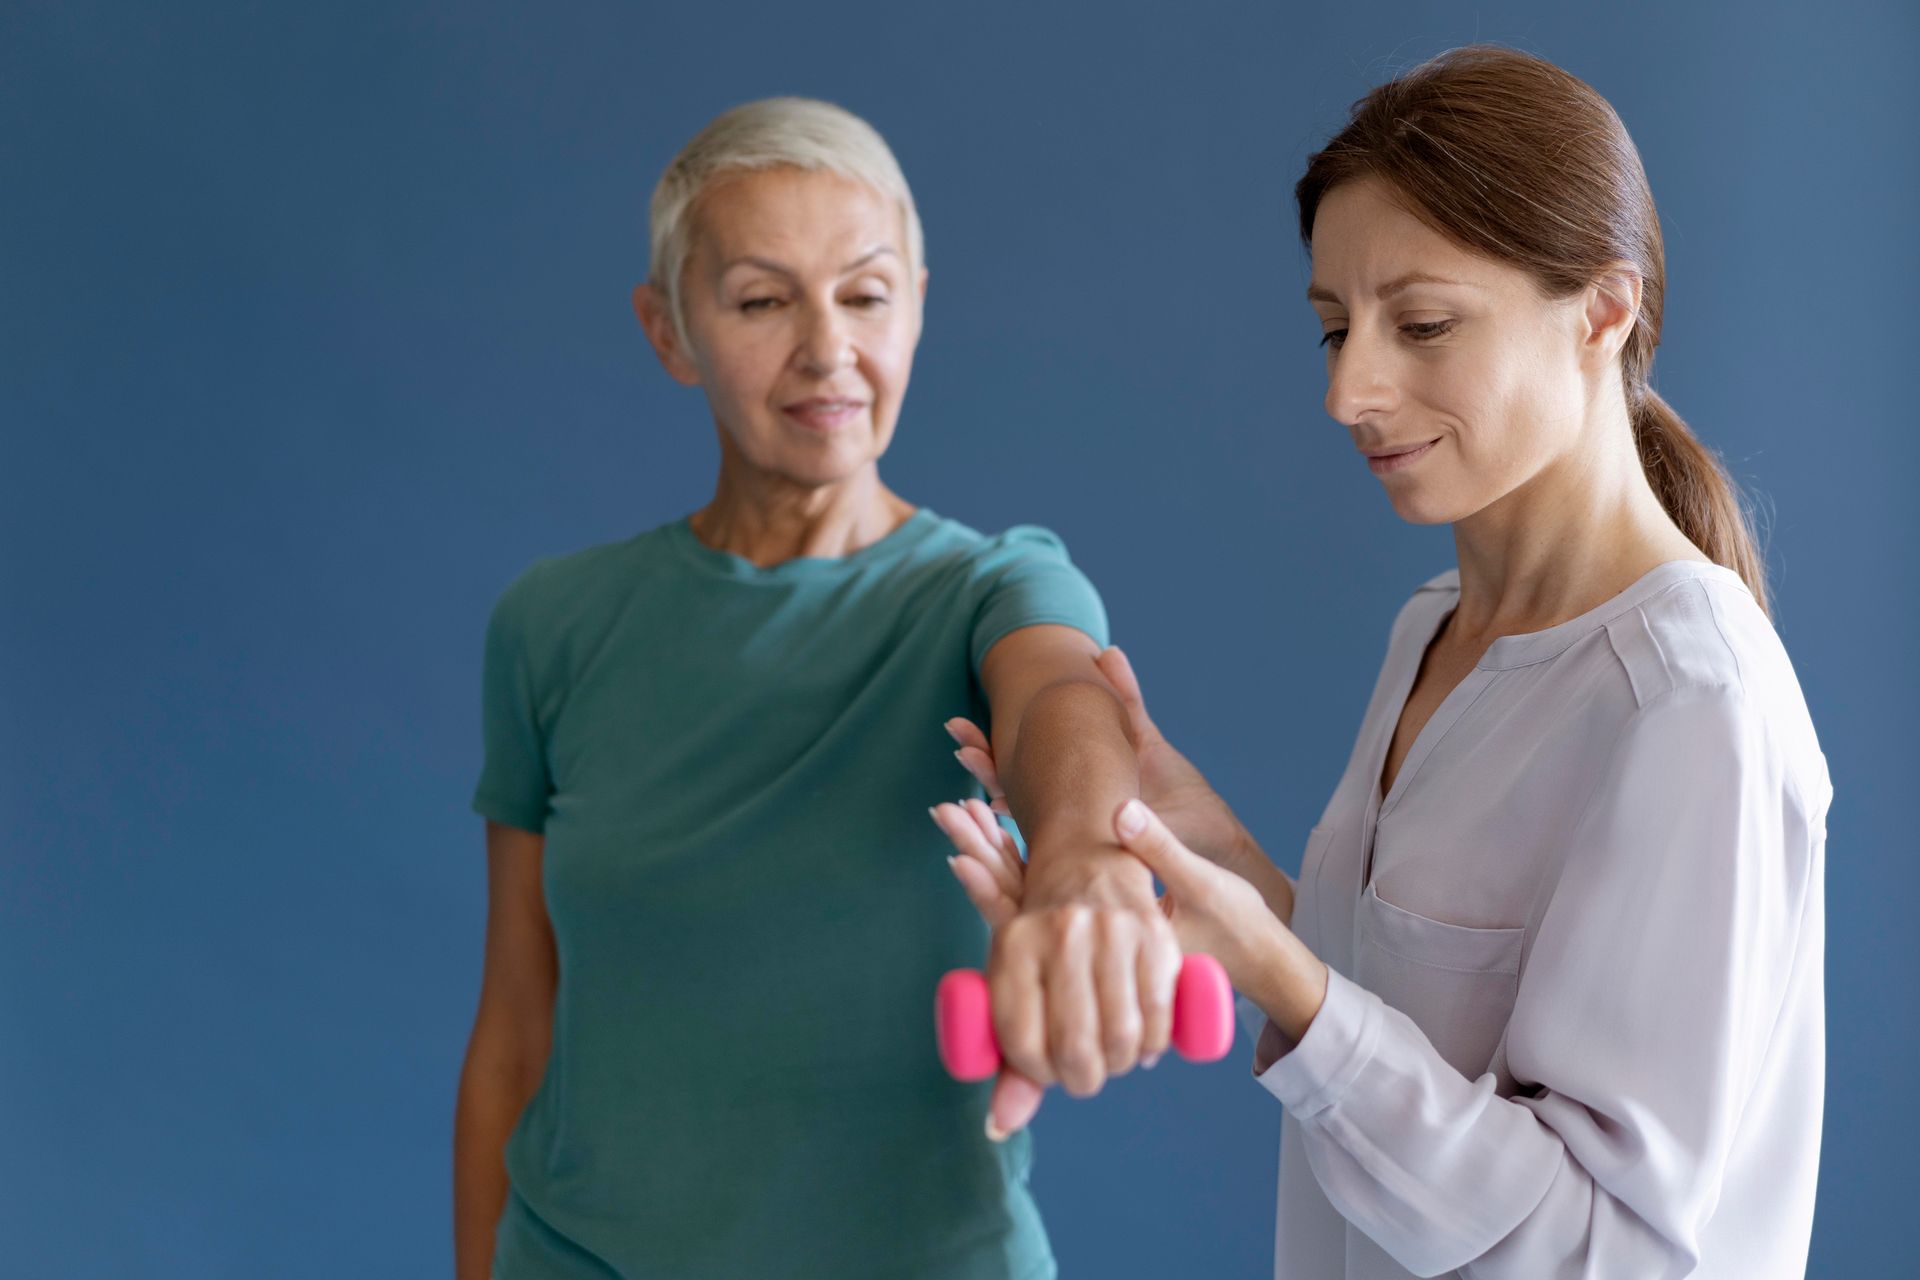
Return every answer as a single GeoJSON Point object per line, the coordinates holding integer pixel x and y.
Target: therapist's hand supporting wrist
{"type": "Point", "coordinates": [1218, 912]}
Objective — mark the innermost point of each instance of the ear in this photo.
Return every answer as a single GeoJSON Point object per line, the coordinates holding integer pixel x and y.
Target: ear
{"type": "Point", "coordinates": [1611, 310]}
{"type": "Point", "coordinates": [656, 318]}
{"type": "Point", "coordinates": [923, 286]}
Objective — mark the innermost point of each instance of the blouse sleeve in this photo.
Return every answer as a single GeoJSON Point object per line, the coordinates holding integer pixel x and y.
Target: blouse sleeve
{"type": "Point", "coordinates": [1643, 1014]}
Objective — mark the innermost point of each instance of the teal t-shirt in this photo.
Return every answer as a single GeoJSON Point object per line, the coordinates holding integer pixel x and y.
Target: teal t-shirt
{"type": "Point", "coordinates": [732, 767]}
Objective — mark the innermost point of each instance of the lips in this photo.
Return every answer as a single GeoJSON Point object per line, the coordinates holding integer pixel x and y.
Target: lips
{"type": "Point", "coordinates": [1394, 451]}
{"type": "Point", "coordinates": [1383, 461]}
{"type": "Point", "coordinates": [823, 413]}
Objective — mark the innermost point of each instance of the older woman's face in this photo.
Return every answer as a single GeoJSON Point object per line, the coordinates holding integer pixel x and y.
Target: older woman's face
{"type": "Point", "coordinates": [1452, 362]}
{"type": "Point", "coordinates": [802, 319]}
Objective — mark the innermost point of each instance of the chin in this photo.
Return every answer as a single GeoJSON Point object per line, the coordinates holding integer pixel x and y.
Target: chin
{"type": "Point", "coordinates": [1416, 507]}
{"type": "Point", "coordinates": [823, 469]}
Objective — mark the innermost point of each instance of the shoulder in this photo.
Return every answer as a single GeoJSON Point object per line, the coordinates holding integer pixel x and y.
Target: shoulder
{"type": "Point", "coordinates": [1703, 637]}
{"type": "Point", "coordinates": [1708, 673]}
{"type": "Point", "coordinates": [1014, 543]}
{"type": "Point", "coordinates": [989, 557]}
{"type": "Point", "coordinates": [552, 585]}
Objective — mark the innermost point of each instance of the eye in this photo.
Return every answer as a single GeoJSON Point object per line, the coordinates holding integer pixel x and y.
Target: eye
{"type": "Point", "coordinates": [759, 304]}
{"type": "Point", "coordinates": [1428, 330]}
{"type": "Point", "coordinates": [1334, 338]}
{"type": "Point", "coordinates": [867, 301]}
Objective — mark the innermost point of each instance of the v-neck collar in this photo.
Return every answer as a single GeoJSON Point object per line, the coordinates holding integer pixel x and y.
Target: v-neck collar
{"type": "Point", "coordinates": [1504, 654]}
{"type": "Point", "coordinates": [1444, 717]}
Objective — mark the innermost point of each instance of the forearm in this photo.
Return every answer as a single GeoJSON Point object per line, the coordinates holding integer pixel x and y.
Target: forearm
{"type": "Point", "coordinates": [1250, 862]}
{"type": "Point", "coordinates": [1071, 764]}
{"type": "Point", "coordinates": [490, 1101]}
{"type": "Point", "coordinates": [1285, 980]}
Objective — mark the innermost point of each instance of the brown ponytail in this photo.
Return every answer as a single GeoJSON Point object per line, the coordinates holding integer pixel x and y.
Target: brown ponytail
{"type": "Point", "coordinates": [1696, 490]}
{"type": "Point", "coordinates": [1515, 159]}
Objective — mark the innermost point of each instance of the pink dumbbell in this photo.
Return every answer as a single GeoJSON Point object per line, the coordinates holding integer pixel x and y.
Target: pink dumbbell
{"type": "Point", "coordinates": [963, 1018]}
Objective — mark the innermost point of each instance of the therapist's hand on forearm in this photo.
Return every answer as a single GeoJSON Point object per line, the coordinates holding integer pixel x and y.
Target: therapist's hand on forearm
{"type": "Point", "coordinates": [1169, 784]}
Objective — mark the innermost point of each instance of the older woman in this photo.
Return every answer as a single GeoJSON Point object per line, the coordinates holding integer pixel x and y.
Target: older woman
{"type": "Point", "coordinates": [1551, 1001]}
{"type": "Point", "coordinates": [716, 915]}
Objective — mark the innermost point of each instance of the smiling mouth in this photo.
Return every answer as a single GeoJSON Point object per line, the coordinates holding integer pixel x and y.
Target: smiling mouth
{"type": "Point", "coordinates": [1395, 459]}
{"type": "Point", "coordinates": [825, 413]}
{"type": "Point", "coordinates": [1396, 452]}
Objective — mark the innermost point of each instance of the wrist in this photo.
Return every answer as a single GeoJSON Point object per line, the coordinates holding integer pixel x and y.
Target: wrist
{"type": "Point", "coordinates": [1289, 983]}
{"type": "Point", "coordinates": [1086, 871]}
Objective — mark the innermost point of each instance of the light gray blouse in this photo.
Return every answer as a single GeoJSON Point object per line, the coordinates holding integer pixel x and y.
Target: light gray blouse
{"type": "Point", "coordinates": [1574, 1025]}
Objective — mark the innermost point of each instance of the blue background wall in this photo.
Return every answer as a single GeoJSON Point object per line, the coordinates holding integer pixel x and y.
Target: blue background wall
{"type": "Point", "coordinates": [314, 330]}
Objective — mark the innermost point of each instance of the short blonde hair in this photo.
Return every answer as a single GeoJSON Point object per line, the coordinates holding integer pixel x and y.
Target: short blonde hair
{"type": "Point", "coordinates": [800, 133]}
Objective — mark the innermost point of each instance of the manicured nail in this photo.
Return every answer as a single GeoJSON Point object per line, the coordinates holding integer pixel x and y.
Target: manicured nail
{"type": "Point", "coordinates": [951, 731]}
{"type": "Point", "coordinates": [1133, 817]}
{"type": "Point", "coordinates": [1147, 1061]}
{"type": "Point", "coordinates": [994, 1132]}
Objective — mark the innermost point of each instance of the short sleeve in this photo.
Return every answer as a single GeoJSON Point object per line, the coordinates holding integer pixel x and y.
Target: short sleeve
{"type": "Point", "coordinates": [514, 785]}
{"type": "Point", "coordinates": [1025, 579]}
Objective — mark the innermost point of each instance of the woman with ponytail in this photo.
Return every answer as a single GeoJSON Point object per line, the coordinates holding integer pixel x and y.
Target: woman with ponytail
{"type": "Point", "coordinates": [1546, 999]}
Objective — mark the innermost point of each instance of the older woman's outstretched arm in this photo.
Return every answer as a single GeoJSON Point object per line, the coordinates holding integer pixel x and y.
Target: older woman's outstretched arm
{"type": "Point", "coordinates": [1083, 976]}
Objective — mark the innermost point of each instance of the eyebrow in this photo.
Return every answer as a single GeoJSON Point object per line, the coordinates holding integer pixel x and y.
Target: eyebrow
{"type": "Point", "coordinates": [1316, 293]}
{"type": "Point", "coordinates": [781, 269]}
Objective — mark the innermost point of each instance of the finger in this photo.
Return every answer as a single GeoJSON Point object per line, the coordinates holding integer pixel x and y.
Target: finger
{"type": "Point", "coordinates": [1018, 1000]}
{"type": "Point", "coordinates": [1072, 1004]}
{"type": "Point", "coordinates": [1115, 978]}
{"type": "Point", "coordinates": [966, 733]}
{"type": "Point", "coordinates": [1015, 1099]}
{"type": "Point", "coordinates": [1119, 673]}
{"type": "Point", "coordinates": [1142, 834]}
{"type": "Point", "coordinates": [988, 898]}
{"type": "Point", "coordinates": [964, 834]}
{"type": "Point", "coordinates": [1158, 975]}
{"type": "Point", "coordinates": [995, 849]}
{"type": "Point", "coordinates": [980, 765]}
{"type": "Point", "coordinates": [982, 814]}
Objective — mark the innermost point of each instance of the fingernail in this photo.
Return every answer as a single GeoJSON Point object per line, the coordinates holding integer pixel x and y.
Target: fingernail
{"type": "Point", "coordinates": [933, 815]}
{"type": "Point", "coordinates": [1147, 1061]}
{"type": "Point", "coordinates": [948, 726]}
{"type": "Point", "coordinates": [1133, 816]}
{"type": "Point", "coordinates": [994, 1132]}
{"type": "Point", "coordinates": [956, 756]}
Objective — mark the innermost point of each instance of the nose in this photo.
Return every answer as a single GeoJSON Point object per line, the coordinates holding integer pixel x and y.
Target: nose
{"type": "Point", "coordinates": [826, 343]}
{"type": "Point", "coordinates": [1359, 379]}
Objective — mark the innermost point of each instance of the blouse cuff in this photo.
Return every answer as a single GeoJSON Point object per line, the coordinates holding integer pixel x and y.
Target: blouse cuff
{"type": "Point", "coordinates": [1338, 1045]}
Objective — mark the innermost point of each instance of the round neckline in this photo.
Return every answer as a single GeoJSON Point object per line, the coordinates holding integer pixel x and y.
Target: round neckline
{"type": "Point", "coordinates": [1527, 647]}
{"type": "Point", "coordinates": [729, 565]}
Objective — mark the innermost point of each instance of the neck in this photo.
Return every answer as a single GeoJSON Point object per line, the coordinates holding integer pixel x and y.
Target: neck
{"type": "Point", "coordinates": [768, 518]}
{"type": "Point", "coordinates": [1579, 532]}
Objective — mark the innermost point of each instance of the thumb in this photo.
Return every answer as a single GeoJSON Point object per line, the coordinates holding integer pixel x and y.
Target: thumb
{"type": "Point", "coordinates": [1015, 1099]}
{"type": "Point", "coordinates": [1143, 835]}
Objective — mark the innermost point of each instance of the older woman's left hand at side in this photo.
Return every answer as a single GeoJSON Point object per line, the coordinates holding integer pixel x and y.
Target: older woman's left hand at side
{"type": "Point", "coordinates": [1211, 910]}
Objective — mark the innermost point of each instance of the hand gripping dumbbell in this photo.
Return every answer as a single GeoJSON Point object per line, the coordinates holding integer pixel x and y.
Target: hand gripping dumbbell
{"type": "Point", "coordinates": [963, 1018]}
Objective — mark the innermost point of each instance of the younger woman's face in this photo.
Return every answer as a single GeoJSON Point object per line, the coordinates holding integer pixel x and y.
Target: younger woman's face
{"type": "Point", "coordinates": [1450, 370]}
{"type": "Point", "coordinates": [802, 317]}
